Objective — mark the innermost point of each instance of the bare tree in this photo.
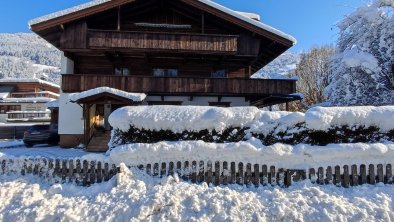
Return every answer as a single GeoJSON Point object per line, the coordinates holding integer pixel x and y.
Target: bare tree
{"type": "Point", "coordinates": [313, 72]}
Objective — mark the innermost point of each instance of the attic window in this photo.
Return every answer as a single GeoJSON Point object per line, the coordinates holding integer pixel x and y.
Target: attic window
{"type": "Point", "coordinates": [167, 26]}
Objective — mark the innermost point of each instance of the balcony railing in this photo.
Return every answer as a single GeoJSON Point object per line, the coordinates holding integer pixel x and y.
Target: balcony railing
{"type": "Point", "coordinates": [163, 41]}
{"type": "Point", "coordinates": [179, 85]}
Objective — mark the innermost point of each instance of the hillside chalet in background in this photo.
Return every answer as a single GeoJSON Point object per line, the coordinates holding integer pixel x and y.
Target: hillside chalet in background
{"type": "Point", "coordinates": [178, 52]}
{"type": "Point", "coordinates": [24, 100]}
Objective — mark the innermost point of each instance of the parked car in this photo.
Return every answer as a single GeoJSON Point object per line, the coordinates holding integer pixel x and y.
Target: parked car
{"type": "Point", "coordinates": [41, 134]}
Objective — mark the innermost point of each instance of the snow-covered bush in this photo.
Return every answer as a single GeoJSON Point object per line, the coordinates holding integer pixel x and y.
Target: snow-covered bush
{"type": "Point", "coordinates": [320, 126]}
{"type": "Point", "coordinates": [361, 69]}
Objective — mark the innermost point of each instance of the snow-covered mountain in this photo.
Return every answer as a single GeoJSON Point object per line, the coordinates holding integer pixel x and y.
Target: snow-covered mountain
{"type": "Point", "coordinates": [280, 68]}
{"type": "Point", "coordinates": [26, 55]}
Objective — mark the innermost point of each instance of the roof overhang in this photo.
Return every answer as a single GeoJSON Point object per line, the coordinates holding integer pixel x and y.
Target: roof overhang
{"type": "Point", "coordinates": [105, 95]}
{"type": "Point", "coordinates": [104, 98]}
{"type": "Point", "coordinates": [93, 7]}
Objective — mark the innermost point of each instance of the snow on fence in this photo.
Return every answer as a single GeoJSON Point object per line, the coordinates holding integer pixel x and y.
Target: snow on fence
{"type": "Point", "coordinates": [224, 173]}
{"type": "Point", "coordinates": [81, 172]}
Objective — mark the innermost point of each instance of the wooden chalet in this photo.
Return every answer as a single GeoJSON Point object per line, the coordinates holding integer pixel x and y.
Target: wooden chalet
{"type": "Point", "coordinates": [179, 52]}
{"type": "Point", "coordinates": [24, 100]}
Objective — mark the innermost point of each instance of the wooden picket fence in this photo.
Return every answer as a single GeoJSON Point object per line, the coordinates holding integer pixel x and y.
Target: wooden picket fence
{"type": "Point", "coordinates": [83, 172]}
{"type": "Point", "coordinates": [224, 173]}
{"type": "Point", "coordinates": [76, 171]}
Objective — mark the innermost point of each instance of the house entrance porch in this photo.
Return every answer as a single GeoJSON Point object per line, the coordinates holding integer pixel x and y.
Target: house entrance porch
{"type": "Point", "coordinates": [96, 111]}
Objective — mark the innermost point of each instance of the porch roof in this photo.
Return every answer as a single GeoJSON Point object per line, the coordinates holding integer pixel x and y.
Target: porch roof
{"type": "Point", "coordinates": [97, 95]}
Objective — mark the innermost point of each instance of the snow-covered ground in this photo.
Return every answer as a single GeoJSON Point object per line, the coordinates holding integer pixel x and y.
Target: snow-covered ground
{"type": "Point", "coordinates": [16, 149]}
{"type": "Point", "coordinates": [139, 197]}
{"type": "Point", "coordinates": [10, 144]}
{"type": "Point", "coordinates": [300, 156]}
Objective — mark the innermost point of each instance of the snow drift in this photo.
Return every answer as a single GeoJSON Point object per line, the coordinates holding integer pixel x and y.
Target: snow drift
{"type": "Point", "coordinates": [300, 156]}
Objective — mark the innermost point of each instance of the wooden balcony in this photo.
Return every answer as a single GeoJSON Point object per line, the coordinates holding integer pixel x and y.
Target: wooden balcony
{"type": "Point", "coordinates": [179, 85]}
{"type": "Point", "coordinates": [226, 44]}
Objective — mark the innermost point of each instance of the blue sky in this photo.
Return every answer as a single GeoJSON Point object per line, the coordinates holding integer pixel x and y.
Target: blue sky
{"type": "Point", "coordinates": [311, 22]}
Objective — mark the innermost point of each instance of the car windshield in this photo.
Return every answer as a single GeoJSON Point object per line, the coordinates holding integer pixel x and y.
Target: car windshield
{"type": "Point", "coordinates": [39, 127]}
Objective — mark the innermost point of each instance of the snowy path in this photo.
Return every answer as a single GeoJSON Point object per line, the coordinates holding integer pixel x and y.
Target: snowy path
{"type": "Point", "coordinates": [49, 152]}
{"type": "Point", "coordinates": [144, 198]}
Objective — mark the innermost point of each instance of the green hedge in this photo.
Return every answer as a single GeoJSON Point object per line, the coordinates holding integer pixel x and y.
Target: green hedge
{"type": "Point", "coordinates": [296, 135]}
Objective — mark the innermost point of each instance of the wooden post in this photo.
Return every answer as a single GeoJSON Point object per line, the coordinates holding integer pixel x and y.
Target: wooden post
{"type": "Point", "coordinates": [346, 176]}
{"type": "Point", "coordinates": [272, 176]}
{"type": "Point", "coordinates": [248, 174]}
{"type": "Point", "coordinates": [217, 173]}
{"type": "Point", "coordinates": [240, 175]}
{"type": "Point", "coordinates": [256, 174]}
{"type": "Point", "coordinates": [118, 22]}
{"type": "Point", "coordinates": [225, 175]}
{"type": "Point", "coordinates": [337, 177]}
{"type": "Point", "coordinates": [202, 22]}
{"type": "Point", "coordinates": [194, 171]}
{"type": "Point", "coordinates": [389, 172]}
{"type": "Point", "coordinates": [163, 170]}
{"type": "Point", "coordinates": [201, 171]}
{"type": "Point", "coordinates": [354, 175]}
{"type": "Point", "coordinates": [363, 174]}
{"type": "Point", "coordinates": [371, 174]}
{"type": "Point", "coordinates": [264, 175]}
{"type": "Point", "coordinates": [232, 172]}
{"type": "Point", "coordinates": [380, 174]}
{"type": "Point", "coordinates": [329, 175]}
{"type": "Point", "coordinates": [208, 176]}
{"type": "Point", "coordinates": [170, 169]}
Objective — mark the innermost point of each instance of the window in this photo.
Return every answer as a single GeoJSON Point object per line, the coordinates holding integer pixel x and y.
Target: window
{"type": "Point", "coordinates": [159, 103]}
{"type": "Point", "coordinates": [122, 71]}
{"type": "Point", "coordinates": [4, 109]}
{"type": "Point", "coordinates": [220, 73]}
{"type": "Point", "coordinates": [159, 72]}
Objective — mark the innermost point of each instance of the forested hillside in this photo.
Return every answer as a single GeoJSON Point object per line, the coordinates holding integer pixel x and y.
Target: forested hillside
{"type": "Point", "coordinates": [280, 68]}
{"type": "Point", "coordinates": [25, 55]}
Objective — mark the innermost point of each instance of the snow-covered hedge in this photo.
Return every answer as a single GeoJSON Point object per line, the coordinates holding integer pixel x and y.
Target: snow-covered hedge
{"type": "Point", "coordinates": [182, 118]}
{"type": "Point", "coordinates": [320, 125]}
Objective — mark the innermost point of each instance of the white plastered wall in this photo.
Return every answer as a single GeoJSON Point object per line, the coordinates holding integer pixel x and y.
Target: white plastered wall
{"type": "Point", "coordinates": [70, 114]}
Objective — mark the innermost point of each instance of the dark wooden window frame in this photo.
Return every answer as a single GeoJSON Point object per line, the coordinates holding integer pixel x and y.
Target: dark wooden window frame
{"type": "Point", "coordinates": [122, 68]}
{"type": "Point", "coordinates": [220, 104]}
{"type": "Point", "coordinates": [165, 68]}
{"type": "Point", "coordinates": [160, 103]}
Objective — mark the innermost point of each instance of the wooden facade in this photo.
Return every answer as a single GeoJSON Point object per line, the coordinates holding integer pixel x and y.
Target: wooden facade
{"type": "Point", "coordinates": [179, 48]}
{"type": "Point", "coordinates": [156, 28]}
{"type": "Point", "coordinates": [179, 86]}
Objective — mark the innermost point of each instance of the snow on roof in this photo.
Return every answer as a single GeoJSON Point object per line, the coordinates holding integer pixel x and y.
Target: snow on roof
{"type": "Point", "coordinates": [27, 80]}
{"type": "Point", "coordinates": [247, 17]}
{"type": "Point", "coordinates": [5, 91]}
{"type": "Point", "coordinates": [53, 104]}
{"type": "Point", "coordinates": [26, 100]}
{"type": "Point", "coordinates": [249, 20]}
{"type": "Point", "coordinates": [66, 11]}
{"type": "Point", "coordinates": [136, 97]}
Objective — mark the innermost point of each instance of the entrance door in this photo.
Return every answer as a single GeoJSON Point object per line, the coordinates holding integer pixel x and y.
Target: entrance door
{"type": "Point", "coordinates": [108, 109]}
